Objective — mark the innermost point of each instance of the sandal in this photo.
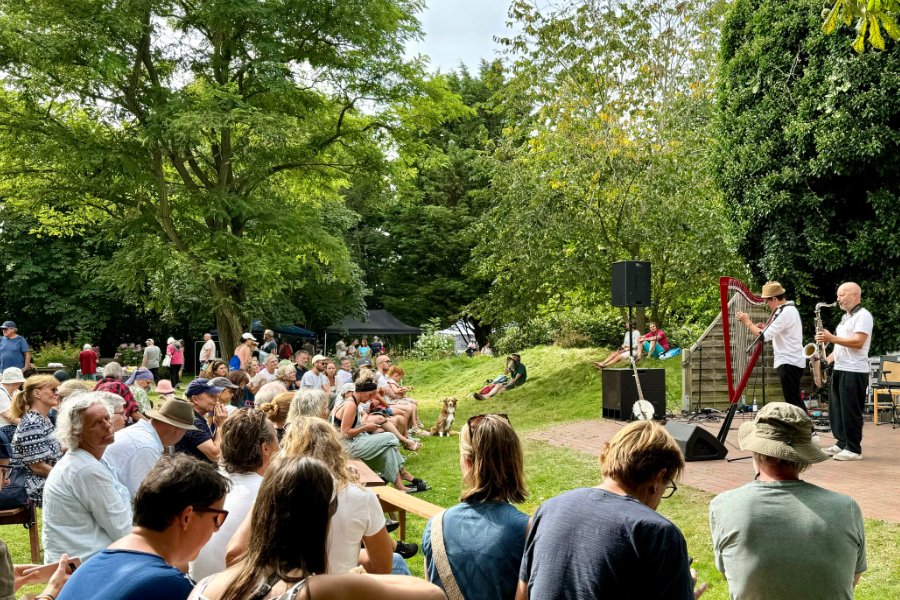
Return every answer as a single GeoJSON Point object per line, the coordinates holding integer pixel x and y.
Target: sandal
{"type": "Point", "coordinates": [421, 486]}
{"type": "Point", "coordinates": [416, 481]}
{"type": "Point", "coordinates": [415, 445]}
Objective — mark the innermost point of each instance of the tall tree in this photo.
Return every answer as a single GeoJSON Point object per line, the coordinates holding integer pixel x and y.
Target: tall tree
{"type": "Point", "coordinates": [808, 150]}
{"type": "Point", "coordinates": [415, 237]}
{"type": "Point", "coordinates": [611, 164]}
{"type": "Point", "coordinates": [209, 138]}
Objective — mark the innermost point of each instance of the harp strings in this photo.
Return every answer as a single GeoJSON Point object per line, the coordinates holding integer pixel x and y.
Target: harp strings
{"type": "Point", "coordinates": [740, 336]}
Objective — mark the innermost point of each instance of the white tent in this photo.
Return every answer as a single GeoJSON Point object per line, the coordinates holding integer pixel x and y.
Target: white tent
{"type": "Point", "coordinates": [461, 332]}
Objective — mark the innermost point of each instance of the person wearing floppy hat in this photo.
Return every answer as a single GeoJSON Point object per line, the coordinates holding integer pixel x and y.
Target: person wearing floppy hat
{"type": "Point", "coordinates": [10, 383]}
{"type": "Point", "coordinates": [785, 331]}
{"type": "Point", "coordinates": [204, 442]}
{"type": "Point", "coordinates": [137, 448]}
{"type": "Point", "coordinates": [779, 536]}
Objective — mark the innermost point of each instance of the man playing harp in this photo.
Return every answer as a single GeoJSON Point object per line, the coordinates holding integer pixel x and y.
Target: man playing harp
{"type": "Point", "coordinates": [786, 335]}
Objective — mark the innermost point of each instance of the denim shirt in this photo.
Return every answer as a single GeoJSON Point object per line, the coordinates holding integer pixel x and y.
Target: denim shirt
{"type": "Point", "coordinates": [85, 507]}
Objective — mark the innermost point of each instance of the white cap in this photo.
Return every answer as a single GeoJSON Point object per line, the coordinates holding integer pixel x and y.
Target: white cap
{"type": "Point", "coordinates": [248, 336]}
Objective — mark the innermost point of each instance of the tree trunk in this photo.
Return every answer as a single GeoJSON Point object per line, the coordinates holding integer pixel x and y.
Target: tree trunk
{"type": "Point", "coordinates": [482, 332]}
{"type": "Point", "coordinates": [228, 321]}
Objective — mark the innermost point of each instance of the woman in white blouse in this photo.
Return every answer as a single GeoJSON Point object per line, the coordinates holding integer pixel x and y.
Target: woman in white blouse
{"type": "Point", "coordinates": [85, 507]}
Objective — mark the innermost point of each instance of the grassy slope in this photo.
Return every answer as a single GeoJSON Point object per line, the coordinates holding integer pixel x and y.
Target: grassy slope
{"type": "Point", "coordinates": [564, 387]}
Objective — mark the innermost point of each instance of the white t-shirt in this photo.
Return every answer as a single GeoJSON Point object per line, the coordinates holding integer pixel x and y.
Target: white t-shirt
{"type": "Point", "coordinates": [635, 336]}
{"type": "Point", "coordinates": [382, 380]}
{"type": "Point", "coordinates": [786, 335]}
{"type": "Point", "coordinates": [341, 349]}
{"type": "Point", "coordinates": [311, 380]}
{"type": "Point", "coordinates": [5, 405]}
{"type": "Point", "coordinates": [269, 376]}
{"type": "Point", "coordinates": [238, 502]}
{"type": "Point", "coordinates": [208, 352]}
{"type": "Point", "coordinates": [359, 514]}
{"type": "Point", "coordinates": [850, 359]}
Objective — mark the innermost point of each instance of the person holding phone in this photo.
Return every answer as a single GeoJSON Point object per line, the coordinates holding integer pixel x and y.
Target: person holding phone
{"type": "Point", "coordinates": [517, 374]}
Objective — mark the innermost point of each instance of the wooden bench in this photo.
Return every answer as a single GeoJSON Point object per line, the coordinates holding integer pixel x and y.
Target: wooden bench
{"type": "Point", "coordinates": [367, 476]}
{"type": "Point", "coordinates": [395, 500]}
{"type": "Point", "coordinates": [25, 516]}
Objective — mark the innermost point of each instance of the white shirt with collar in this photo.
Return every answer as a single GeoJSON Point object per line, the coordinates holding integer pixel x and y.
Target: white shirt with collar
{"type": "Point", "coordinates": [786, 335]}
{"type": "Point", "coordinates": [851, 359]}
{"type": "Point", "coordinates": [134, 453]}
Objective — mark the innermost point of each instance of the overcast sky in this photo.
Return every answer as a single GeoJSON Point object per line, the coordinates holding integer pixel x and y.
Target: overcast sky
{"type": "Point", "coordinates": [461, 30]}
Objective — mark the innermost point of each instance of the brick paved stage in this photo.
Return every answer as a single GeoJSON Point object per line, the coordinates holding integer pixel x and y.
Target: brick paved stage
{"type": "Point", "coordinates": [874, 482]}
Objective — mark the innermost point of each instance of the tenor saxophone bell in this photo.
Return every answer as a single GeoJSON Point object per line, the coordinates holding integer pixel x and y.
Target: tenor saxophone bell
{"type": "Point", "coordinates": [809, 350]}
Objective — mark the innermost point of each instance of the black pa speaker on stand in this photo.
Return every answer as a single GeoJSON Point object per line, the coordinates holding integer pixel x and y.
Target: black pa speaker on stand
{"type": "Point", "coordinates": [695, 442]}
{"type": "Point", "coordinates": [631, 283]}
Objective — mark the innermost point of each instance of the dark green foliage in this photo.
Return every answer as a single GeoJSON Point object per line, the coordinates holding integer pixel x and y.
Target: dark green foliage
{"type": "Point", "coordinates": [808, 157]}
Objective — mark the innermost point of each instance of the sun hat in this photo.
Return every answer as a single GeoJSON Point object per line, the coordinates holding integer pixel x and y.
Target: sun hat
{"type": "Point", "coordinates": [201, 386]}
{"type": "Point", "coordinates": [175, 412]}
{"type": "Point", "coordinates": [223, 382]}
{"type": "Point", "coordinates": [164, 387]}
{"type": "Point", "coordinates": [781, 430]}
{"type": "Point", "coordinates": [772, 289]}
{"type": "Point", "coordinates": [317, 358]}
{"type": "Point", "coordinates": [8, 325]}
{"type": "Point", "coordinates": [12, 375]}
{"type": "Point", "coordinates": [248, 336]}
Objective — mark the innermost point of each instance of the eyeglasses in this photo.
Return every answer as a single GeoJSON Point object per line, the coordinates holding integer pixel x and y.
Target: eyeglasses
{"type": "Point", "coordinates": [672, 487]}
{"type": "Point", "coordinates": [474, 421]}
{"type": "Point", "coordinates": [221, 515]}
{"type": "Point", "coordinates": [5, 472]}
{"type": "Point", "coordinates": [119, 413]}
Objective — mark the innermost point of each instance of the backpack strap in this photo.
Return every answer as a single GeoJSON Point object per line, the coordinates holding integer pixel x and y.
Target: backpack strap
{"type": "Point", "coordinates": [439, 555]}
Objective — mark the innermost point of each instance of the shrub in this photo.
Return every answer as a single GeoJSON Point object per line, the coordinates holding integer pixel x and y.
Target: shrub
{"type": "Point", "coordinates": [129, 355]}
{"type": "Point", "coordinates": [568, 336]}
{"type": "Point", "coordinates": [431, 345]}
{"type": "Point", "coordinates": [56, 352]}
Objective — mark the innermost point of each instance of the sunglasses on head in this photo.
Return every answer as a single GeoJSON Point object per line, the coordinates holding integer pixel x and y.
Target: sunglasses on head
{"type": "Point", "coordinates": [474, 421]}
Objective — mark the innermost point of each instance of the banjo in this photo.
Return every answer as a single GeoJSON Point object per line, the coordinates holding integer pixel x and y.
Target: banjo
{"type": "Point", "coordinates": [642, 410]}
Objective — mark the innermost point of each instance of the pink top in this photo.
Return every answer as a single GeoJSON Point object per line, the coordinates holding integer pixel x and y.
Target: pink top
{"type": "Point", "coordinates": [662, 341]}
{"type": "Point", "coordinates": [177, 357]}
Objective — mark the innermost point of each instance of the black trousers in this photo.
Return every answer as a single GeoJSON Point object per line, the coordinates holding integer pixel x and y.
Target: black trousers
{"type": "Point", "coordinates": [790, 384]}
{"type": "Point", "coordinates": [845, 408]}
{"type": "Point", "coordinates": [155, 372]}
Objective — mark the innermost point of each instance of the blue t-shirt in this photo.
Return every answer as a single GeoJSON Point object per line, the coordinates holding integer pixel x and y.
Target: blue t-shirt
{"type": "Point", "coordinates": [12, 352]}
{"type": "Point", "coordinates": [590, 543]}
{"type": "Point", "coordinates": [127, 575]}
{"type": "Point", "coordinates": [484, 544]}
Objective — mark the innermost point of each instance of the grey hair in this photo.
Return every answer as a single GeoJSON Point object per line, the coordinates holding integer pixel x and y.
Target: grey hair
{"type": "Point", "coordinates": [268, 392]}
{"type": "Point", "coordinates": [259, 380]}
{"type": "Point", "coordinates": [111, 401]}
{"type": "Point", "coordinates": [344, 389]}
{"type": "Point", "coordinates": [307, 402]}
{"type": "Point", "coordinates": [86, 347]}
{"type": "Point", "coordinates": [113, 369]}
{"type": "Point", "coordinates": [70, 422]}
{"type": "Point", "coordinates": [274, 357]}
{"type": "Point", "coordinates": [269, 332]}
{"type": "Point", "coordinates": [284, 370]}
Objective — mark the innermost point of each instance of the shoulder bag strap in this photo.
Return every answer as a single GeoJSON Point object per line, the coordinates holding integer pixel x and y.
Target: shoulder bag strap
{"type": "Point", "coordinates": [439, 555]}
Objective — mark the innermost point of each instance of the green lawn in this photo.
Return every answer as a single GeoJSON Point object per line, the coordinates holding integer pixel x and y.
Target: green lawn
{"type": "Point", "coordinates": [562, 387]}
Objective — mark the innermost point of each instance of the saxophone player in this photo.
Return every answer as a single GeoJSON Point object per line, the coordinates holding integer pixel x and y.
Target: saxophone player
{"type": "Point", "coordinates": [786, 334]}
{"type": "Point", "coordinates": [850, 374]}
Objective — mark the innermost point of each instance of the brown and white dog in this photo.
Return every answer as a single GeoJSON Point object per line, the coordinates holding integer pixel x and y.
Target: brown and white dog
{"type": "Point", "coordinates": [445, 421]}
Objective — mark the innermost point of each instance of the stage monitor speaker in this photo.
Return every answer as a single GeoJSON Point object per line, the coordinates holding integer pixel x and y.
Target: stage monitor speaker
{"type": "Point", "coordinates": [631, 283]}
{"type": "Point", "coordinates": [620, 392]}
{"type": "Point", "coordinates": [695, 442]}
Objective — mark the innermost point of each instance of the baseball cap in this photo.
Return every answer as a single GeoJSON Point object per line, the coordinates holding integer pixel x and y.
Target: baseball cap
{"type": "Point", "coordinates": [149, 341]}
{"type": "Point", "coordinates": [364, 362]}
{"type": "Point", "coordinates": [201, 386]}
{"type": "Point", "coordinates": [318, 357]}
{"type": "Point", "coordinates": [248, 336]}
{"type": "Point", "coordinates": [223, 382]}
{"type": "Point", "coordinates": [8, 325]}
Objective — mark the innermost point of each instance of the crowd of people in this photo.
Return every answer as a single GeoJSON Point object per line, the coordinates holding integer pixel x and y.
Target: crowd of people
{"type": "Point", "coordinates": [235, 493]}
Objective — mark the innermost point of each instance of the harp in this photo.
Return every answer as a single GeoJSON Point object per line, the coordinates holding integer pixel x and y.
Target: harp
{"type": "Point", "coordinates": [742, 348]}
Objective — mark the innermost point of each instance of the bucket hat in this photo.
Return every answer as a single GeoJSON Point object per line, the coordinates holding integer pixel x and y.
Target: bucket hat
{"type": "Point", "coordinates": [164, 387]}
{"type": "Point", "coordinates": [12, 375]}
{"type": "Point", "coordinates": [175, 412]}
{"type": "Point", "coordinates": [781, 430]}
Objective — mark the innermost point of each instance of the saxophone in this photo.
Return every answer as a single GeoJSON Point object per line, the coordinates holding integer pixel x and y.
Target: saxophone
{"type": "Point", "coordinates": [815, 352]}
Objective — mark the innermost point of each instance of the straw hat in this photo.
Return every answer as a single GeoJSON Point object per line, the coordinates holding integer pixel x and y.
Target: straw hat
{"type": "Point", "coordinates": [175, 412]}
{"type": "Point", "coordinates": [772, 289]}
{"type": "Point", "coordinates": [781, 430]}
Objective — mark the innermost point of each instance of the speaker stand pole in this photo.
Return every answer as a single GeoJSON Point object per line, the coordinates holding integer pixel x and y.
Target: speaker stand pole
{"type": "Point", "coordinates": [630, 330]}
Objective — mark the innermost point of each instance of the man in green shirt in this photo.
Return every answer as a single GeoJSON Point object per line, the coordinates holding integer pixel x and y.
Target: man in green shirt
{"type": "Point", "coordinates": [516, 372]}
{"type": "Point", "coordinates": [779, 537]}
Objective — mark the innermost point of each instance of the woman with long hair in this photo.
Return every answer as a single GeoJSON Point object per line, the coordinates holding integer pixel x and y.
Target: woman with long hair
{"type": "Point", "coordinates": [242, 397]}
{"type": "Point", "coordinates": [287, 556]}
{"type": "Point", "coordinates": [330, 373]}
{"type": "Point", "coordinates": [364, 349]}
{"type": "Point", "coordinates": [484, 535]}
{"type": "Point", "coordinates": [33, 444]}
{"type": "Point", "coordinates": [359, 517]}
{"type": "Point", "coordinates": [217, 368]}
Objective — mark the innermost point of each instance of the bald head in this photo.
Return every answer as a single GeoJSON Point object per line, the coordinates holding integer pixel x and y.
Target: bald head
{"type": "Point", "coordinates": [848, 296]}
{"type": "Point", "coordinates": [206, 337]}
